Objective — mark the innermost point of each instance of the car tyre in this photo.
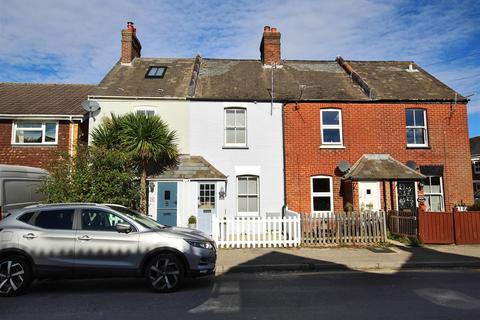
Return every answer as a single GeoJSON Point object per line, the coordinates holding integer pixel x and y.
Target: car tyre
{"type": "Point", "coordinates": [15, 276]}
{"type": "Point", "coordinates": [165, 273]}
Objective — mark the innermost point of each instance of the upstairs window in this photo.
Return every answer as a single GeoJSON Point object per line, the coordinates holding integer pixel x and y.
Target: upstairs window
{"type": "Point", "coordinates": [148, 112]}
{"type": "Point", "coordinates": [235, 127]}
{"type": "Point", "coordinates": [331, 126]}
{"type": "Point", "coordinates": [416, 120]}
{"type": "Point", "coordinates": [476, 166]}
{"type": "Point", "coordinates": [156, 72]}
{"type": "Point", "coordinates": [27, 132]}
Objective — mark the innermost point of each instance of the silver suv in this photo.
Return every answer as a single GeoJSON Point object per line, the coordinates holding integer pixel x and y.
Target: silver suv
{"type": "Point", "coordinates": [97, 240]}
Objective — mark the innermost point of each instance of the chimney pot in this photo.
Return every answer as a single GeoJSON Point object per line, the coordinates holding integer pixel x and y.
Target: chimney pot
{"type": "Point", "coordinates": [131, 46]}
{"type": "Point", "coordinates": [270, 46]}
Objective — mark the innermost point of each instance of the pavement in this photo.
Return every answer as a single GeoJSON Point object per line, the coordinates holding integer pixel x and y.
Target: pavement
{"type": "Point", "coordinates": [394, 258]}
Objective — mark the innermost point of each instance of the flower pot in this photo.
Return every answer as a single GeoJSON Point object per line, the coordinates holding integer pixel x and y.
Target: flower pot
{"type": "Point", "coordinates": [192, 225]}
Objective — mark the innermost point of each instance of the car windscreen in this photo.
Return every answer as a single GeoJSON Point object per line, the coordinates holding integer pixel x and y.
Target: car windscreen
{"type": "Point", "coordinates": [139, 218]}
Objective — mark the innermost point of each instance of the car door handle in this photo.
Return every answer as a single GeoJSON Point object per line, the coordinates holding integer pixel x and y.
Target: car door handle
{"type": "Point", "coordinates": [29, 236]}
{"type": "Point", "coordinates": [85, 238]}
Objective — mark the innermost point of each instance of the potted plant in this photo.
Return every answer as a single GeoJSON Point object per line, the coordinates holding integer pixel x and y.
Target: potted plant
{"type": "Point", "coordinates": [461, 207]}
{"type": "Point", "coordinates": [192, 222]}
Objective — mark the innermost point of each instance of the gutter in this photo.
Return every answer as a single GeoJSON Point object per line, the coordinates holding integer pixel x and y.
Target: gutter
{"type": "Point", "coordinates": [43, 116]}
{"type": "Point", "coordinates": [100, 97]}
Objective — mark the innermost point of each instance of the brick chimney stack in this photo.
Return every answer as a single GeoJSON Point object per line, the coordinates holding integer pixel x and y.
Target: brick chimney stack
{"type": "Point", "coordinates": [131, 46]}
{"type": "Point", "coordinates": [270, 46]}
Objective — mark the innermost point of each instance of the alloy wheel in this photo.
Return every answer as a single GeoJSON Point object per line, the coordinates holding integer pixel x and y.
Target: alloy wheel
{"type": "Point", "coordinates": [11, 276]}
{"type": "Point", "coordinates": [164, 274]}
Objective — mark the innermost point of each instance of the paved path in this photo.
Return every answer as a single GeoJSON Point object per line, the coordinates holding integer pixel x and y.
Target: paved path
{"type": "Point", "coordinates": [395, 258]}
{"type": "Point", "coordinates": [426, 294]}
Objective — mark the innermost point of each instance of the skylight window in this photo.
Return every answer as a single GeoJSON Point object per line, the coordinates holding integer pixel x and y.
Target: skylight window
{"type": "Point", "coordinates": [156, 72]}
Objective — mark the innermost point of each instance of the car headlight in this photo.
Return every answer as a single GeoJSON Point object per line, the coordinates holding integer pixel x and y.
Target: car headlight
{"type": "Point", "coordinates": [200, 244]}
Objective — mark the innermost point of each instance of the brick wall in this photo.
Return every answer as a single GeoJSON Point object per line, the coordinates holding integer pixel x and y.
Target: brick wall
{"type": "Point", "coordinates": [374, 128]}
{"type": "Point", "coordinates": [35, 156]}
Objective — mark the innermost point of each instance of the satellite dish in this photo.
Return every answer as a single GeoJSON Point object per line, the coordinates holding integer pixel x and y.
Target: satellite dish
{"type": "Point", "coordinates": [412, 165]}
{"type": "Point", "coordinates": [344, 166]}
{"type": "Point", "coordinates": [90, 106]}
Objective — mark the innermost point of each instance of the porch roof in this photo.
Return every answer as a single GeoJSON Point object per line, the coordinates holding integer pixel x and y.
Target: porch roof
{"type": "Point", "coordinates": [193, 168]}
{"type": "Point", "coordinates": [381, 167]}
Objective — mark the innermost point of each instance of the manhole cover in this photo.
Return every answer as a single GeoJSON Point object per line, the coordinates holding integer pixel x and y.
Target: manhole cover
{"type": "Point", "coordinates": [381, 250]}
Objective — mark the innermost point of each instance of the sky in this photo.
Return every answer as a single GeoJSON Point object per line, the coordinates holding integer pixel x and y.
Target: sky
{"type": "Point", "coordinates": [72, 41]}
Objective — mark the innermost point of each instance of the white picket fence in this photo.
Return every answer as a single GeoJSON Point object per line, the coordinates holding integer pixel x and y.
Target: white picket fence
{"type": "Point", "coordinates": [258, 232]}
{"type": "Point", "coordinates": [295, 229]}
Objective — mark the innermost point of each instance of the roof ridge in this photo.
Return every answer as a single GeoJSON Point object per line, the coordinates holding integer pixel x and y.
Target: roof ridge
{"type": "Point", "coordinates": [46, 84]}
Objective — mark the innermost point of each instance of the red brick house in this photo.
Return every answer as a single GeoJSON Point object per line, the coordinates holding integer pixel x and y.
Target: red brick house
{"type": "Point", "coordinates": [39, 120]}
{"type": "Point", "coordinates": [475, 154]}
{"type": "Point", "coordinates": [375, 135]}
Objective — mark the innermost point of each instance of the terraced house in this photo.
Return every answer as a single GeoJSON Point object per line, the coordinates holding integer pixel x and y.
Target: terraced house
{"type": "Point", "coordinates": [260, 135]}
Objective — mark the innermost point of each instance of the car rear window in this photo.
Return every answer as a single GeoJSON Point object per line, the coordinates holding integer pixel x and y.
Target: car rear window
{"type": "Point", "coordinates": [61, 219]}
{"type": "Point", "coordinates": [26, 217]}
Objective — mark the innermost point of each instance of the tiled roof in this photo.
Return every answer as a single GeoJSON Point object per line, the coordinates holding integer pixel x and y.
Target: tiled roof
{"type": "Point", "coordinates": [226, 79]}
{"type": "Point", "coordinates": [381, 167]}
{"type": "Point", "coordinates": [130, 80]}
{"type": "Point", "coordinates": [43, 99]}
{"type": "Point", "coordinates": [392, 81]}
{"type": "Point", "coordinates": [191, 167]}
{"type": "Point", "coordinates": [235, 79]}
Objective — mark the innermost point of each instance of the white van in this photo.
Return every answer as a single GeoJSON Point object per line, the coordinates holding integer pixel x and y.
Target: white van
{"type": "Point", "coordinates": [19, 186]}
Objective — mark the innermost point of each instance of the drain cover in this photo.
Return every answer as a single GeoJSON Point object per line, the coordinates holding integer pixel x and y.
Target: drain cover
{"type": "Point", "coordinates": [381, 250]}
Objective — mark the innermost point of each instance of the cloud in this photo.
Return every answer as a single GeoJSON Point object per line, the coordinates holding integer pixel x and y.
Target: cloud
{"type": "Point", "coordinates": [79, 41]}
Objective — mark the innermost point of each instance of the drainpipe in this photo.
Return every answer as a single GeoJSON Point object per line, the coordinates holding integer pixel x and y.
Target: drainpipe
{"type": "Point", "coordinates": [72, 139]}
{"type": "Point", "coordinates": [284, 207]}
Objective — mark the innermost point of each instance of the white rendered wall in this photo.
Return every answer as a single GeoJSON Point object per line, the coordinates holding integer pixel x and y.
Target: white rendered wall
{"type": "Point", "coordinates": [173, 112]}
{"type": "Point", "coordinates": [264, 156]}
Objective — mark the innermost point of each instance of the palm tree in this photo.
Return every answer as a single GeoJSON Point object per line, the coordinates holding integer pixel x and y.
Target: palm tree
{"type": "Point", "coordinates": [107, 134]}
{"type": "Point", "coordinates": [151, 143]}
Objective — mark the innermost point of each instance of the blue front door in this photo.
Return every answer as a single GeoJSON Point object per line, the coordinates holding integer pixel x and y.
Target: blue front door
{"type": "Point", "coordinates": [167, 203]}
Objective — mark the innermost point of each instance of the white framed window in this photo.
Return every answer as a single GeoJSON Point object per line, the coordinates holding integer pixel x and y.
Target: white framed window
{"type": "Point", "coordinates": [34, 132]}
{"type": "Point", "coordinates": [235, 127]}
{"type": "Point", "coordinates": [147, 111]}
{"type": "Point", "coordinates": [248, 195]}
{"type": "Point", "coordinates": [321, 193]}
{"type": "Point", "coordinates": [416, 123]}
{"type": "Point", "coordinates": [476, 166]}
{"type": "Point", "coordinates": [331, 126]}
{"type": "Point", "coordinates": [433, 192]}
{"type": "Point", "coordinates": [206, 197]}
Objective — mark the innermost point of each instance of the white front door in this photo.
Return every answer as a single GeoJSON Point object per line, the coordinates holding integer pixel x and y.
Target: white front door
{"type": "Point", "coordinates": [369, 196]}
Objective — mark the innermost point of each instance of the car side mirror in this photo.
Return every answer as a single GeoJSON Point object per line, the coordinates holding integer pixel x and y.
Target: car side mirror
{"type": "Point", "coordinates": [123, 227]}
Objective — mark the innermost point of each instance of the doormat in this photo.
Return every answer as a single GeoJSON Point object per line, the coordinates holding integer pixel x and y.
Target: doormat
{"type": "Point", "coordinates": [381, 250]}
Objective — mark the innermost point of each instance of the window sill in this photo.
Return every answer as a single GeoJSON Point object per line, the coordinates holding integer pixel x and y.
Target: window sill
{"type": "Point", "coordinates": [34, 144]}
{"type": "Point", "coordinates": [418, 147]}
{"type": "Point", "coordinates": [234, 147]}
{"type": "Point", "coordinates": [332, 146]}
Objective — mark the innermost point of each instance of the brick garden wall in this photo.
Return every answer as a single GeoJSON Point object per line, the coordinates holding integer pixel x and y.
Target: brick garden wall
{"type": "Point", "coordinates": [374, 128]}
